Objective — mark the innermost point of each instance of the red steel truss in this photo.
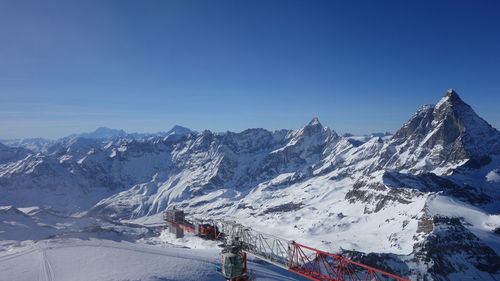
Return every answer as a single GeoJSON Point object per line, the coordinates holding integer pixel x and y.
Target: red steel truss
{"type": "Point", "coordinates": [322, 266]}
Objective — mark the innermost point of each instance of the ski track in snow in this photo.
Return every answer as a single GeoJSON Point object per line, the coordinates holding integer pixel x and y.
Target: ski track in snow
{"type": "Point", "coordinates": [47, 269]}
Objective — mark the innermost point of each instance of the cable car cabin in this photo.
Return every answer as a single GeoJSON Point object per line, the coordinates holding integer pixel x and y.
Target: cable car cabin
{"type": "Point", "coordinates": [234, 265]}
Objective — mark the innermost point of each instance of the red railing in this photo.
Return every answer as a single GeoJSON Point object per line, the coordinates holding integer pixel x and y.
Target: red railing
{"type": "Point", "coordinates": [322, 266]}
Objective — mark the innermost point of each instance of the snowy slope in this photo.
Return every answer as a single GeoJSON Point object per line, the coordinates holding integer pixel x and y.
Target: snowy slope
{"type": "Point", "coordinates": [36, 244]}
{"type": "Point", "coordinates": [93, 259]}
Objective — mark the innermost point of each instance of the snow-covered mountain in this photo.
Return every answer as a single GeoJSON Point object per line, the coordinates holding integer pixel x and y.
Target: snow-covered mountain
{"type": "Point", "coordinates": [391, 201]}
{"type": "Point", "coordinates": [100, 133]}
{"type": "Point", "coordinates": [34, 144]}
{"type": "Point", "coordinates": [441, 137]}
{"type": "Point", "coordinates": [45, 146]}
{"type": "Point", "coordinates": [11, 154]}
{"type": "Point", "coordinates": [107, 133]}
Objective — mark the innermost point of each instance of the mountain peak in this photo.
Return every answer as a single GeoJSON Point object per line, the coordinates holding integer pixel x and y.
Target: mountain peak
{"type": "Point", "coordinates": [450, 92]}
{"type": "Point", "coordinates": [314, 122]}
{"type": "Point", "coordinates": [99, 133]}
{"type": "Point", "coordinates": [450, 96]}
{"type": "Point", "coordinates": [451, 131]}
{"type": "Point", "coordinates": [180, 130]}
{"type": "Point", "coordinates": [106, 130]}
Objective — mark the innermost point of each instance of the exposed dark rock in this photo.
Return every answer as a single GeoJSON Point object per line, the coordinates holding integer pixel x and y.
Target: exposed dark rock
{"type": "Point", "coordinates": [432, 183]}
{"type": "Point", "coordinates": [376, 200]}
{"type": "Point", "coordinates": [287, 207]}
{"type": "Point", "coordinates": [450, 241]}
{"type": "Point", "coordinates": [245, 206]}
{"type": "Point", "coordinates": [497, 230]}
{"type": "Point", "coordinates": [380, 261]}
{"type": "Point", "coordinates": [449, 250]}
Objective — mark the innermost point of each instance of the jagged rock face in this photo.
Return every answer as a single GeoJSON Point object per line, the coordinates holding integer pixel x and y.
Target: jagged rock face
{"type": "Point", "coordinates": [242, 159]}
{"type": "Point", "coordinates": [208, 162]}
{"type": "Point", "coordinates": [429, 182]}
{"type": "Point", "coordinates": [379, 196]}
{"type": "Point", "coordinates": [452, 252]}
{"type": "Point", "coordinates": [441, 135]}
{"type": "Point", "coordinates": [301, 148]}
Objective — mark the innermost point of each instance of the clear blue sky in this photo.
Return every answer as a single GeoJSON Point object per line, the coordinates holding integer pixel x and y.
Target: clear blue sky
{"type": "Point", "coordinates": [143, 66]}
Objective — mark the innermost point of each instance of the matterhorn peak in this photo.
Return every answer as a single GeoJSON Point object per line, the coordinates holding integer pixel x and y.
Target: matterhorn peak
{"type": "Point", "coordinates": [450, 96]}
{"type": "Point", "coordinates": [450, 92]}
{"type": "Point", "coordinates": [451, 131]}
{"type": "Point", "coordinates": [314, 122]}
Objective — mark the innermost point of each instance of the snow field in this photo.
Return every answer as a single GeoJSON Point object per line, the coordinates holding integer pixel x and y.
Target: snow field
{"type": "Point", "coordinates": [94, 259]}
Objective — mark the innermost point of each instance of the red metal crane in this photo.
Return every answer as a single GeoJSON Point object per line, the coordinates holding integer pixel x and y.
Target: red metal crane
{"type": "Point", "coordinates": [318, 265]}
{"type": "Point", "coordinates": [303, 260]}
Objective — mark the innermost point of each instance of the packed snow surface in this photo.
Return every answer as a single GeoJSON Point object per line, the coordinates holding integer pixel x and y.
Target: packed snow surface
{"type": "Point", "coordinates": [97, 259]}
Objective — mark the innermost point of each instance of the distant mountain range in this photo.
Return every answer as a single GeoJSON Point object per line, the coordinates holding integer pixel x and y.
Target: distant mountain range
{"type": "Point", "coordinates": [423, 203]}
{"type": "Point", "coordinates": [41, 144]}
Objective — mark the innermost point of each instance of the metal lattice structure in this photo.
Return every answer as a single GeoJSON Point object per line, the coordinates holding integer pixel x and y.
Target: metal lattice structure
{"type": "Point", "coordinates": [302, 260]}
{"type": "Point", "coordinates": [322, 266]}
{"type": "Point", "coordinates": [270, 248]}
